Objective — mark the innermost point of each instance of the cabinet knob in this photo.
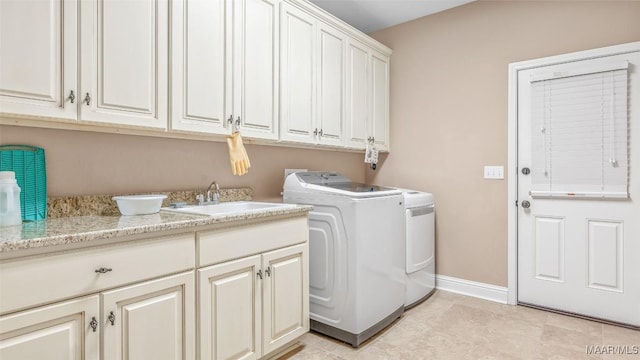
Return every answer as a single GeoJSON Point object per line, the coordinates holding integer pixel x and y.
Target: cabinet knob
{"type": "Point", "coordinates": [87, 99]}
{"type": "Point", "coordinates": [94, 324]}
{"type": "Point", "coordinates": [72, 97]}
{"type": "Point", "coordinates": [103, 270]}
{"type": "Point", "coordinates": [112, 318]}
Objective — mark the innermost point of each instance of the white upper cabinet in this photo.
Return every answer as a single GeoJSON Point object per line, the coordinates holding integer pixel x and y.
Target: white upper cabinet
{"type": "Point", "coordinates": [198, 66]}
{"type": "Point", "coordinates": [379, 123]}
{"type": "Point", "coordinates": [331, 85]}
{"type": "Point", "coordinates": [367, 97]}
{"type": "Point", "coordinates": [279, 70]}
{"type": "Point", "coordinates": [224, 67]}
{"type": "Point", "coordinates": [297, 75]}
{"type": "Point", "coordinates": [357, 99]}
{"type": "Point", "coordinates": [38, 52]}
{"type": "Point", "coordinates": [255, 67]}
{"type": "Point", "coordinates": [312, 79]}
{"type": "Point", "coordinates": [124, 62]}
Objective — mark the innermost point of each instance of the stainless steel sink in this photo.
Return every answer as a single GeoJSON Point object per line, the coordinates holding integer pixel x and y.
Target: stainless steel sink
{"type": "Point", "coordinates": [234, 207]}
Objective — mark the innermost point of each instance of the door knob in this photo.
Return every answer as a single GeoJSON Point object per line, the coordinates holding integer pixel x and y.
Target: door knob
{"type": "Point", "coordinates": [526, 204]}
{"type": "Point", "coordinates": [526, 171]}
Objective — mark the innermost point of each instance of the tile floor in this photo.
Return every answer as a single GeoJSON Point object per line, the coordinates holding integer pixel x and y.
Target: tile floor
{"type": "Point", "coordinates": [451, 326]}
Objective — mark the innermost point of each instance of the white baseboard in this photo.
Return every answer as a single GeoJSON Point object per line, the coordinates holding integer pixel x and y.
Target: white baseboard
{"type": "Point", "coordinates": [472, 288]}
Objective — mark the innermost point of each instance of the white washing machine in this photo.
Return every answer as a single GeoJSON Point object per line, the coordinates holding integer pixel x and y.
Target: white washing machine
{"type": "Point", "coordinates": [420, 263]}
{"type": "Point", "coordinates": [356, 254]}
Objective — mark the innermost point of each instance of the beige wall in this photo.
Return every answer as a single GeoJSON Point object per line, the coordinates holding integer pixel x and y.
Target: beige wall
{"type": "Point", "coordinates": [88, 163]}
{"type": "Point", "coordinates": [449, 110]}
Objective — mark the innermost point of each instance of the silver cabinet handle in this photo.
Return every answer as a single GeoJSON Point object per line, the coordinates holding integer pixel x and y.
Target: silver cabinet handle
{"type": "Point", "coordinates": [320, 133]}
{"type": "Point", "coordinates": [259, 274]}
{"type": "Point", "coordinates": [230, 119]}
{"type": "Point", "coordinates": [103, 270]}
{"type": "Point", "coordinates": [94, 324]}
{"type": "Point", "coordinates": [87, 99]}
{"type": "Point", "coordinates": [268, 271]}
{"type": "Point", "coordinates": [112, 318]}
{"type": "Point", "coordinates": [315, 132]}
{"type": "Point", "coordinates": [72, 97]}
{"type": "Point", "coordinates": [238, 121]}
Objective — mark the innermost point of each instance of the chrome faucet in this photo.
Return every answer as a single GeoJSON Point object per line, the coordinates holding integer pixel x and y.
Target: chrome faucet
{"type": "Point", "coordinates": [216, 193]}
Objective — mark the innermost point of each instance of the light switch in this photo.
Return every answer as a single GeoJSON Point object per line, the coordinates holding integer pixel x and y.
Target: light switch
{"type": "Point", "coordinates": [494, 172]}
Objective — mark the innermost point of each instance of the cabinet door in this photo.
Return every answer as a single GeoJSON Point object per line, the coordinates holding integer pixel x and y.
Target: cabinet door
{"type": "Point", "coordinates": [297, 75]}
{"type": "Point", "coordinates": [60, 331]}
{"type": "Point", "coordinates": [124, 54]}
{"type": "Point", "coordinates": [357, 94]}
{"type": "Point", "coordinates": [331, 81]}
{"type": "Point", "coordinates": [285, 296]}
{"type": "Point", "coordinates": [230, 311]}
{"type": "Point", "coordinates": [150, 320]}
{"type": "Point", "coordinates": [255, 67]}
{"type": "Point", "coordinates": [380, 100]}
{"type": "Point", "coordinates": [38, 48]}
{"type": "Point", "coordinates": [198, 66]}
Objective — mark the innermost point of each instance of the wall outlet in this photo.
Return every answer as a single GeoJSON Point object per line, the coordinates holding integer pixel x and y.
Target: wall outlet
{"type": "Point", "coordinates": [494, 172]}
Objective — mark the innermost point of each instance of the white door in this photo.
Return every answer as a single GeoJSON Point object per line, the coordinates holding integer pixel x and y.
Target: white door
{"type": "Point", "coordinates": [150, 320]}
{"type": "Point", "coordinates": [255, 67]}
{"type": "Point", "coordinates": [357, 94]}
{"type": "Point", "coordinates": [331, 80]}
{"type": "Point", "coordinates": [38, 52]}
{"type": "Point", "coordinates": [579, 252]}
{"type": "Point", "coordinates": [198, 66]}
{"type": "Point", "coordinates": [61, 331]}
{"type": "Point", "coordinates": [285, 296]}
{"type": "Point", "coordinates": [297, 75]}
{"type": "Point", "coordinates": [230, 310]}
{"type": "Point", "coordinates": [124, 62]}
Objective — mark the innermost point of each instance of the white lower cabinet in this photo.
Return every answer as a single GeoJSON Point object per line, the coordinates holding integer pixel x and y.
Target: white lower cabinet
{"type": "Point", "coordinates": [133, 300]}
{"type": "Point", "coordinates": [60, 331]}
{"type": "Point", "coordinates": [150, 320]}
{"type": "Point", "coordinates": [137, 299]}
{"type": "Point", "coordinates": [285, 296]}
{"type": "Point", "coordinates": [252, 306]}
{"type": "Point", "coordinates": [229, 307]}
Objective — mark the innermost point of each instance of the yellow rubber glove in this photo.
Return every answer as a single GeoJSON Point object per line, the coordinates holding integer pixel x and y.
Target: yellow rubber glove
{"type": "Point", "coordinates": [240, 163]}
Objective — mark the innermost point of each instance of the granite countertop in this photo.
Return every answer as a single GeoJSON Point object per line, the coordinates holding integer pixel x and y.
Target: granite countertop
{"type": "Point", "coordinates": [84, 229]}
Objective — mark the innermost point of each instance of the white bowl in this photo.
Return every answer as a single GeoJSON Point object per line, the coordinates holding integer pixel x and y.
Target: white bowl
{"type": "Point", "coordinates": [139, 204]}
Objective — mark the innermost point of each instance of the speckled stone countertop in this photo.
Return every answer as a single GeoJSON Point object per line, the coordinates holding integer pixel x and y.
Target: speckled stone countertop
{"type": "Point", "coordinates": [84, 229]}
{"type": "Point", "coordinates": [67, 206]}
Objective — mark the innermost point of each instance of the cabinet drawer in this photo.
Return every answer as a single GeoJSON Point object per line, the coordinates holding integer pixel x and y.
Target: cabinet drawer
{"type": "Point", "coordinates": [221, 245]}
{"type": "Point", "coordinates": [32, 281]}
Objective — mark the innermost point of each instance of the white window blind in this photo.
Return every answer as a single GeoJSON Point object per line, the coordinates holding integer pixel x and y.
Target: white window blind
{"type": "Point", "coordinates": [579, 135]}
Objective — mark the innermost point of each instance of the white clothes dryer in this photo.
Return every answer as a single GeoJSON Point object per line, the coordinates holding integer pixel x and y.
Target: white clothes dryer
{"type": "Point", "coordinates": [420, 246]}
{"type": "Point", "coordinates": [356, 254]}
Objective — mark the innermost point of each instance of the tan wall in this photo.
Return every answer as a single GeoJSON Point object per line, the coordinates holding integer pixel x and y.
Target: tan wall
{"type": "Point", "coordinates": [449, 110]}
{"type": "Point", "coordinates": [87, 163]}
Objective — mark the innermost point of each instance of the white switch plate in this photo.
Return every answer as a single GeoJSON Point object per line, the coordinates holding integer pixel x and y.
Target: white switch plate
{"type": "Point", "coordinates": [494, 172]}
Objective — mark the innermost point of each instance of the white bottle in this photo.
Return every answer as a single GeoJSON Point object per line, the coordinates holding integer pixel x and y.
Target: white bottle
{"type": "Point", "coordinates": [9, 199]}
